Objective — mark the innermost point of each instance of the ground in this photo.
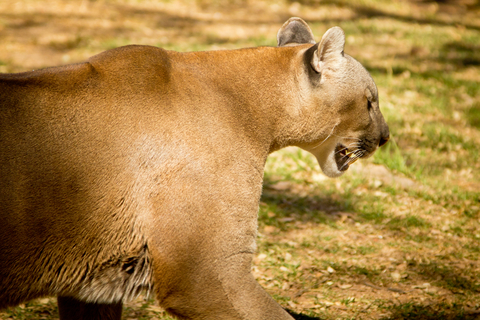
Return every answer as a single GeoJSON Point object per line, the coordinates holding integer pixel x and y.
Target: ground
{"type": "Point", "coordinates": [398, 236]}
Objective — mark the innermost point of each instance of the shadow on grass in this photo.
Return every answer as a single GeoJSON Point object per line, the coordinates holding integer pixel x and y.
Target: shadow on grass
{"type": "Point", "coordinates": [288, 207]}
{"type": "Point", "coordinates": [448, 277]}
{"type": "Point", "coordinates": [285, 209]}
{"type": "Point", "coordinates": [298, 316]}
{"type": "Point", "coordinates": [444, 311]}
{"type": "Point", "coordinates": [460, 53]}
{"type": "Point", "coordinates": [365, 11]}
{"type": "Point", "coordinates": [446, 78]}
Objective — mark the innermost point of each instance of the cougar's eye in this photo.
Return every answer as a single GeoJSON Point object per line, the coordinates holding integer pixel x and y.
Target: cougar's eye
{"type": "Point", "coordinates": [369, 105]}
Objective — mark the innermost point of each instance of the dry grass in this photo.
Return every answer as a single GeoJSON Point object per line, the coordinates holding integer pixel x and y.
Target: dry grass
{"type": "Point", "coordinates": [398, 237]}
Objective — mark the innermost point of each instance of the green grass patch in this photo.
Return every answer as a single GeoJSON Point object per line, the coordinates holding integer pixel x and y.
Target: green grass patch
{"type": "Point", "coordinates": [373, 212]}
{"type": "Point", "coordinates": [407, 222]}
{"type": "Point", "coordinates": [417, 311]}
{"type": "Point", "coordinates": [391, 156]}
{"type": "Point", "coordinates": [35, 309]}
{"type": "Point", "coordinates": [473, 115]}
{"type": "Point", "coordinates": [363, 250]}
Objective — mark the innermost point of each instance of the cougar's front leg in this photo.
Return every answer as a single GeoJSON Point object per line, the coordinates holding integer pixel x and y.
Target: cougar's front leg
{"type": "Point", "coordinates": [245, 294]}
{"type": "Point", "coordinates": [73, 309]}
{"type": "Point", "coordinates": [202, 241]}
{"type": "Point", "coordinates": [211, 287]}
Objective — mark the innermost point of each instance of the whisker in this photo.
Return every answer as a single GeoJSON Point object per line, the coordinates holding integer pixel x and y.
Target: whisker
{"type": "Point", "coordinates": [329, 135]}
{"type": "Point", "coordinates": [346, 163]}
{"type": "Point", "coordinates": [354, 146]}
{"type": "Point", "coordinates": [341, 150]}
{"type": "Point", "coordinates": [359, 152]}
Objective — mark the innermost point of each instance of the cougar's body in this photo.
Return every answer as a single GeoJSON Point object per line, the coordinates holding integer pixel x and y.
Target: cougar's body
{"type": "Point", "coordinates": [141, 170]}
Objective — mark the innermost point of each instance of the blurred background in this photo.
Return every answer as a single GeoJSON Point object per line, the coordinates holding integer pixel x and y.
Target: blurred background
{"type": "Point", "coordinates": [398, 236]}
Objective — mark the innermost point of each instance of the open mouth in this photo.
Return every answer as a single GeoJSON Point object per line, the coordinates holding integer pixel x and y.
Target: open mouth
{"type": "Point", "coordinates": [344, 157]}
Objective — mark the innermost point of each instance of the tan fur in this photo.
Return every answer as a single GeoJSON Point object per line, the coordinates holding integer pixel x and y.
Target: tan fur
{"type": "Point", "coordinates": [141, 169]}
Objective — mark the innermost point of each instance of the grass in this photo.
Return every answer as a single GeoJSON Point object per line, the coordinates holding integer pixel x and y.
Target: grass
{"type": "Point", "coordinates": [473, 115]}
{"type": "Point", "coordinates": [391, 156]}
{"type": "Point", "coordinates": [397, 237]}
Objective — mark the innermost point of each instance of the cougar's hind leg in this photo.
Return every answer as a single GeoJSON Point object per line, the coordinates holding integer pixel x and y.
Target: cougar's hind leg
{"type": "Point", "coordinates": [73, 309]}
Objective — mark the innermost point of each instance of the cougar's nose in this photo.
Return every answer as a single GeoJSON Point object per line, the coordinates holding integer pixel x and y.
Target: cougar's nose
{"type": "Point", "coordinates": [385, 136]}
{"type": "Point", "coordinates": [384, 132]}
{"type": "Point", "coordinates": [383, 140]}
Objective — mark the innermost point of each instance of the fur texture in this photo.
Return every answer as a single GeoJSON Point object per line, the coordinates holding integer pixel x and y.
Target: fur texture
{"type": "Point", "coordinates": [142, 169]}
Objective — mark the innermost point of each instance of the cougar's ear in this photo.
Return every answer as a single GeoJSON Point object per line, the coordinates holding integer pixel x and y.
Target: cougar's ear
{"type": "Point", "coordinates": [329, 49]}
{"type": "Point", "coordinates": [294, 31]}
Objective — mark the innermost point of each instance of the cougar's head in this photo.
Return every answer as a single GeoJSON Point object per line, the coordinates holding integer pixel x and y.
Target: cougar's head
{"type": "Point", "coordinates": [342, 114]}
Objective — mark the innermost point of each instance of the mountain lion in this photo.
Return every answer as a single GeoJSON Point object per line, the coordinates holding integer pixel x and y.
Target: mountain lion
{"type": "Point", "coordinates": [141, 169]}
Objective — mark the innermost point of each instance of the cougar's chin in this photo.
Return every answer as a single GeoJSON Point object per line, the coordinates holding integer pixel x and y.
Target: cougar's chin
{"type": "Point", "coordinates": [329, 165]}
{"type": "Point", "coordinates": [330, 158]}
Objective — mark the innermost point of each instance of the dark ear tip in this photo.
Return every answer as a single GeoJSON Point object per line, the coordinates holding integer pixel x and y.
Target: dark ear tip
{"type": "Point", "coordinates": [292, 19]}
{"type": "Point", "coordinates": [294, 31]}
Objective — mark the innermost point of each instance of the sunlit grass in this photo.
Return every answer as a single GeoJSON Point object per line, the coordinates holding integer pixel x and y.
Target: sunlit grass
{"type": "Point", "coordinates": [391, 157]}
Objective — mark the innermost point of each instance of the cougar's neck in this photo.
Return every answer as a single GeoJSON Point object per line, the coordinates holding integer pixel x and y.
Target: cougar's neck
{"type": "Point", "coordinates": [262, 88]}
